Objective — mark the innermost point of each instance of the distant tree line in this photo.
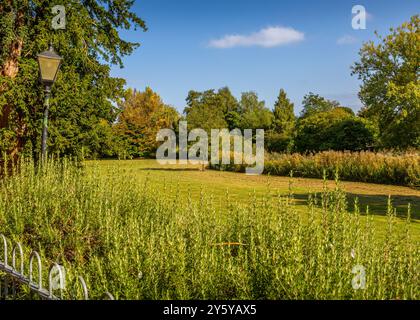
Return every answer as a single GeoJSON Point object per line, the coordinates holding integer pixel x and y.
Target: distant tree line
{"type": "Point", "coordinates": [322, 124]}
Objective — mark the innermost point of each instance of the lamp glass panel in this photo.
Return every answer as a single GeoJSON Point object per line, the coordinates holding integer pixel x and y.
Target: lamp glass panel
{"type": "Point", "coordinates": [49, 68]}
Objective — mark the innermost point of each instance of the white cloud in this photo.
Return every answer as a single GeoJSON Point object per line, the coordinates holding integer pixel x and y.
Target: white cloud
{"type": "Point", "coordinates": [267, 38]}
{"type": "Point", "coordinates": [347, 39]}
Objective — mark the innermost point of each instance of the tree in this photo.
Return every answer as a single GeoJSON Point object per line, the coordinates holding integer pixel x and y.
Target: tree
{"type": "Point", "coordinates": [390, 90]}
{"type": "Point", "coordinates": [216, 110]}
{"type": "Point", "coordinates": [143, 114]}
{"type": "Point", "coordinates": [313, 103]}
{"type": "Point", "coordinates": [84, 95]}
{"type": "Point", "coordinates": [205, 110]}
{"type": "Point", "coordinates": [280, 136]}
{"type": "Point", "coordinates": [229, 106]}
{"type": "Point", "coordinates": [253, 113]}
{"type": "Point", "coordinates": [284, 116]}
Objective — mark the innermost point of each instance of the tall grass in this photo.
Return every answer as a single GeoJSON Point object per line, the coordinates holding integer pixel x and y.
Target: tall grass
{"type": "Point", "coordinates": [138, 240]}
{"type": "Point", "coordinates": [375, 167]}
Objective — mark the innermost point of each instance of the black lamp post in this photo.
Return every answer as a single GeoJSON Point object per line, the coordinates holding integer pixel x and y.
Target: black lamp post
{"type": "Point", "coordinates": [49, 63]}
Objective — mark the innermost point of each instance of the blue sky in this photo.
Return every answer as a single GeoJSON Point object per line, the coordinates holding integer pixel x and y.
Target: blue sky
{"type": "Point", "coordinates": [298, 45]}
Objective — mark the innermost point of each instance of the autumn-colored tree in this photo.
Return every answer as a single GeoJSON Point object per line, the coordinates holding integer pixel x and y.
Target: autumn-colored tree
{"type": "Point", "coordinates": [143, 114]}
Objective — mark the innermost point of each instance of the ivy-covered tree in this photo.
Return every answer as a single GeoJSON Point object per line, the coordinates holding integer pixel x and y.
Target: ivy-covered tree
{"type": "Point", "coordinates": [390, 87]}
{"type": "Point", "coordinates": [84, 95]}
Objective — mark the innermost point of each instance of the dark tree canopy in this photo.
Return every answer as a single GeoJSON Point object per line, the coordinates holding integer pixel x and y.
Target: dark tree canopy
{"type": "Point", "coordinates": [336, 129]}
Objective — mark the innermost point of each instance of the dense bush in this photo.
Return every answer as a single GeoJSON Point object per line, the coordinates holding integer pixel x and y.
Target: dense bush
{"type": "Point", "coordinates": [337, 129]}
{"type": "Point", "coordinates": [278, 142]}
{"type": "Point", "coordinates": [351, 134]}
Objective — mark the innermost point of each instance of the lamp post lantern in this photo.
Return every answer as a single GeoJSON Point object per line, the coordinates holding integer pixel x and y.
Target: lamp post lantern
{"type": "Point", "coordinates": [48, 62]}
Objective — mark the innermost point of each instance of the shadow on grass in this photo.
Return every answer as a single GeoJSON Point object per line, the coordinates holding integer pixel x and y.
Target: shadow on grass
{"type": "Point", "coordinates": [169, 169]}
{"type": "Point", "coordinates": [377, 203]}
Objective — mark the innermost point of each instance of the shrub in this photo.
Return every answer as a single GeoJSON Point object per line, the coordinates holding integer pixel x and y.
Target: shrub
{"type": "Point", "coordinates": [333, 130]}
{"type": "Point", "coordinates": [278, 142]}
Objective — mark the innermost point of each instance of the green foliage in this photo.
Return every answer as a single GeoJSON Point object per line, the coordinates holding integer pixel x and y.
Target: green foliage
{"type": "Point", "coordinates": [214, 110]}
{"type": "Point", "coordinates": [349, 134]}
{"type": "Point", "coordinates": [230, 107]}
{"type": "Point", "coordinates": [284, 116]}
{"type": "Point", "coordinates": [391, 90]}
{"type": "Point", "coordinates": [280, 136]}
{"type": "Point", "coordinates": [205, 110]}
{"type": "Point", "coordinates": [254, 114]}
{"type": "Point", "coordinates": [314, 103]}
{"type": "Point", "coordinates": [136, 239]}
{"type": "Point", "coordinates": [84, 96]}
{"type": "Point", "coordinates": [278, 142]}
{"type": "Point", "coordinates": [336, 129]}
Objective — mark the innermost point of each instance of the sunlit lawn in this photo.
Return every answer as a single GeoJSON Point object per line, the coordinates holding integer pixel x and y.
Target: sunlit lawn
{"type": "Point", "coordinates": [240, 187]}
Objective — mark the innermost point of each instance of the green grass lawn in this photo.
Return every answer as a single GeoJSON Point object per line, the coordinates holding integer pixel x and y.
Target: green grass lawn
{"type": "Point", "coordinates": [241, 187]}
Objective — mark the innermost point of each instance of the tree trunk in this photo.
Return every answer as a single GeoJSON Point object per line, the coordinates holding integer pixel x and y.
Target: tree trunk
{"type": "Point", "coordinates": [9, 69]}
